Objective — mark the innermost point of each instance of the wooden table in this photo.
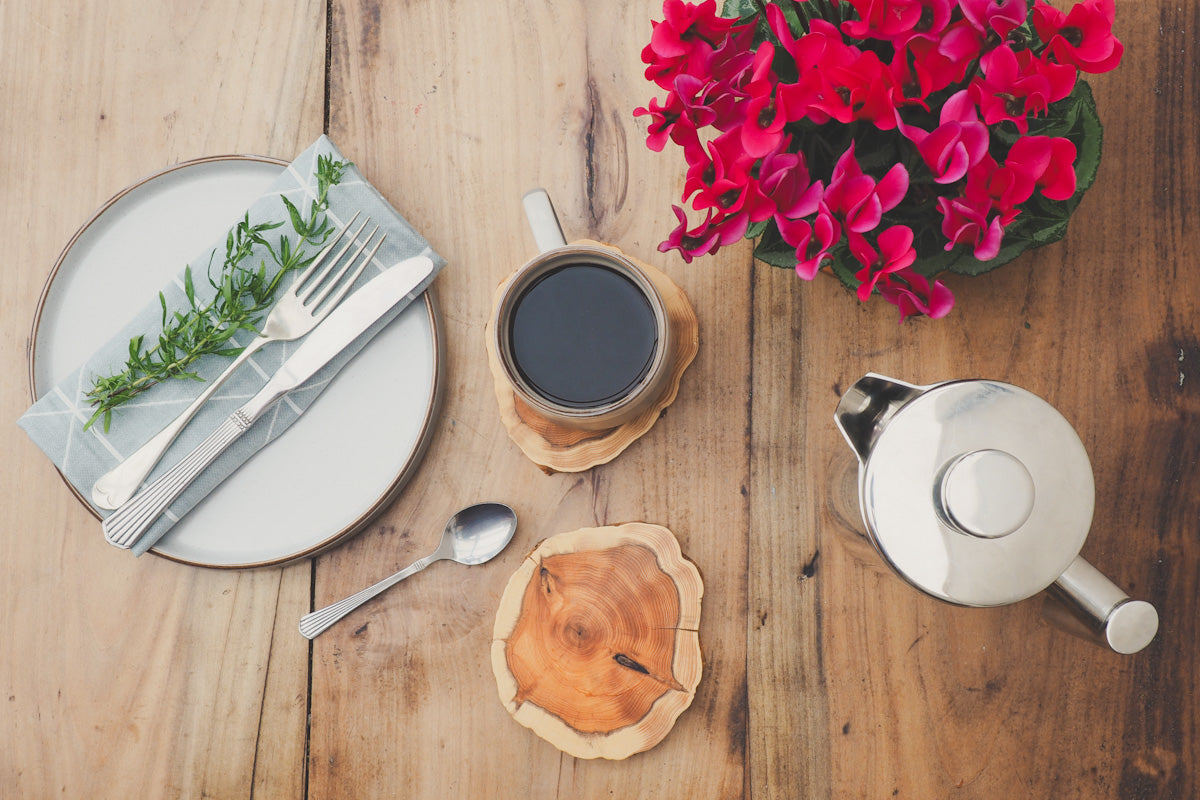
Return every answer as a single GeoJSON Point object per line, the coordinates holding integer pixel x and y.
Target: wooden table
{"type": "Point", "coordinates": [826, 676]}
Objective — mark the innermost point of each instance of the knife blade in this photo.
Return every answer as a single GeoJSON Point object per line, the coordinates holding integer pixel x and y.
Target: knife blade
{"type": "Point", "coordinates": [391, 288]}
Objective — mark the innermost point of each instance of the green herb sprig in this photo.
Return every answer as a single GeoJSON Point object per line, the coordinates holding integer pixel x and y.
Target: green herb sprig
{"type": "Point", "coordinates": [243, 292]}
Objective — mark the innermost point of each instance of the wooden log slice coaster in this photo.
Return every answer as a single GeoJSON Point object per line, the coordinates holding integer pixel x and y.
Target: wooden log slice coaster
{"type": "Point", "coordinates": [555, 448]}
{"type": "Point", "coordinates": [596, 646]}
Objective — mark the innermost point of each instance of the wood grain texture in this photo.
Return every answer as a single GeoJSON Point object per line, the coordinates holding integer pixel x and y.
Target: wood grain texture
{"type": "Point", "coordinates": [124, 677]}
{"type": "Point", "coordinates": [455, 127]}
{"type": "Point", "coordinates": [825, 675]}
{"type": "Point", "coordinates": [596, 646]}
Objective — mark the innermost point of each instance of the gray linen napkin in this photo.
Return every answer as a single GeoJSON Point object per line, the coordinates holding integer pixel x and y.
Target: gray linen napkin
{"type": "Point", "coordinates": [55, 422]}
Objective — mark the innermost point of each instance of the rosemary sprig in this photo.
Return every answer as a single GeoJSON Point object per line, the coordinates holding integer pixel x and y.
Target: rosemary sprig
{"type": "Point", "coordinates": [242, 292]}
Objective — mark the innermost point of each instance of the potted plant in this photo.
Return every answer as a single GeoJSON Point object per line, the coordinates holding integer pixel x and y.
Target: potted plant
{"type": "Point", "coordinates": [884, 141]}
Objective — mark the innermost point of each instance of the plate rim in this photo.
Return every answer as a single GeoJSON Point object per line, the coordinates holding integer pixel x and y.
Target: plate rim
{"type": "Point", "coordinates": [406, 470]}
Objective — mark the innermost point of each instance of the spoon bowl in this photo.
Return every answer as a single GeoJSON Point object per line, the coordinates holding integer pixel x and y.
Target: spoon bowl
{"type": "Point", "coordinates": [472, 536]}
{"type": "Point", "coordinates": [478, 533]}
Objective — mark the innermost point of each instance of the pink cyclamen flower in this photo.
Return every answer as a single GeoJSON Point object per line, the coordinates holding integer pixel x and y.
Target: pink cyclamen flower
{"type": "Point", "coordinates": [924, 66]}
{"type": "Point", "coordinates": [1082, 37]}
{"type": "Point", "coordinates": [785, 179]}
{"type": "Point", "coordinates": [730, 198]}
{"type": "Point", "coordinates": [812, 240]}
{"type": "Point", "coordinates": [683, 112]}
{"type": "Point", "coordinates": [721, 161]}
{"type": "Point", "coordinates": [857, 198]}
{"type": "Point", "coordinates": [958, 143]}
{"type": "Point", "coordinates": [762, 130]}
{"type": "Point", "coordinates": [962, 43]}
{"type": "Point", "coordinates": [965, 222]}
{"type": "Point", "coordinates": [1015, 85]}
{"type": "Point", "coordinates": [844, 83]}
{"type": "Point", "coordinates": [1048, 162]}
{"type": "Point", "coordinates": [821, 57]}
{"type": "Point", "coordinates": [899, 21]}
{"type": "Point", "coordinates": [935, 18]}
{"type": "Point", "coordinates": [707, 237]}
{"type": "Point", "coordinates": [999, 188]}
{"type": "Point", "coordinates": [810, 49]}
{"type": "Point", "coordinates": [703, 239]}
{"type": "Point", "coordinates": [685, 40]}
{"type": "Point", "coordinates": [894, 254]}
{"type": "Point", "coordinates": [663, 118]}
{"type": "Point", "coordinates": [883, 19]}
{"type": "Point", "coordinates": [952, 149]}
{"type": "Point", "coordinates": [733, 58]}
{"type": "Point", "coordinates": [1000, 17]}
{"type": "Point", "coordinates": [914, 295]}
{"type": "Point", "coordinates": [687, 26]}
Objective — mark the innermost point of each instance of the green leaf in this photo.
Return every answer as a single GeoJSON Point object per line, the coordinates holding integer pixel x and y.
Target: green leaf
{"type": "Point", "coordinates": [105, 413]}
{"type": "Point", "coordinates": [791, 13]}
{"type": "Point", "coordinates": [773, 250]}
{"type": "Point", "coordinates": [1089, 141]}
{"type": "Point", "coordinates": [189, 288]}
{"type": "Point", "coordinates": [937, 260]}
{"type": "Point", "coordinates": [298, 223]}
{"type": "Point", "coordinates": [967, 264]}
{"type": "Point", "coordinates": [844, 272]}
{"type": "Point", "coordinates": [756, 230]}
{"type": "Point", "coordinates": [739, 9]}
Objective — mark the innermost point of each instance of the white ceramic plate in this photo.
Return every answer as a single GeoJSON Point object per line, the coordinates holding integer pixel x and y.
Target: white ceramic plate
{"type": "Point", "coordinates": [335, 468]}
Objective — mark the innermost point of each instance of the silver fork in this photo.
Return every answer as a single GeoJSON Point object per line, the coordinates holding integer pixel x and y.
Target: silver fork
{"type": "Point", "coordinates": [305, 303]}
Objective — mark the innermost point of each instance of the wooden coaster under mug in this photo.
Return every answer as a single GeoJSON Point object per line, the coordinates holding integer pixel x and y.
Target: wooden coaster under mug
{"type": "Point", "coordinates": [557, 437]}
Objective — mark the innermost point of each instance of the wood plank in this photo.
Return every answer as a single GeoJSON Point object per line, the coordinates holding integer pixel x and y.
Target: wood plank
{"type": "Point", "coordinates": [929, 700]}
{"type": "Point", "coordinates": [786, 619]}
{"type": "Point", "coordinates": [126, 677]}
{"type": "Point", "coordinates": [454, 111]}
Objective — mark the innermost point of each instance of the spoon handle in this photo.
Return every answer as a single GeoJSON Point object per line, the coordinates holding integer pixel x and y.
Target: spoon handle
{"type": "Point", "coordinates": [311, 625]}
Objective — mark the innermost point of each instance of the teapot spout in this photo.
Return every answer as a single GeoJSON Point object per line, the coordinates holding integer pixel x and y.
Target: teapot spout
{"type": "Point", "coordinates": [867, 406]}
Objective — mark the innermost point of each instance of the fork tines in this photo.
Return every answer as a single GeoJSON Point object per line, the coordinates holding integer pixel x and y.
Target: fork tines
{"type": "Point", "coordinates": [321, 282]}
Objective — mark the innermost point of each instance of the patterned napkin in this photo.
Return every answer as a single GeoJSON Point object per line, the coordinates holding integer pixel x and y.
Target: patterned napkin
{"type": "Point", "coordinates": [55, 422]}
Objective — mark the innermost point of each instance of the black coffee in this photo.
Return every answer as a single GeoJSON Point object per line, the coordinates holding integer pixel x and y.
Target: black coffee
{"type": "Point", "coordinates": [583, 335]}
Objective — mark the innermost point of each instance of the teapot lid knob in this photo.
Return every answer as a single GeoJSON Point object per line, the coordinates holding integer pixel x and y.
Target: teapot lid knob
{"type": "Point", "coordinates": [987, 493]}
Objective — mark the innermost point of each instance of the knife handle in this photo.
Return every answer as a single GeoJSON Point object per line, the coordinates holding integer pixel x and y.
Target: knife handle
{"type": "Point", "coordinates": [125, 526]}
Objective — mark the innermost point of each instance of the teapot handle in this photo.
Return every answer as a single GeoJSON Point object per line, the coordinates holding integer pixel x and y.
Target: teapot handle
{"type": "Point", "coordinates": [1098, 610]}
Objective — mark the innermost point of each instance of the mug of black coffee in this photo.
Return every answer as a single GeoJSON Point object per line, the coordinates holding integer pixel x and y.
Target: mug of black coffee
{"type": "Point", "coordinates": [581, 332]}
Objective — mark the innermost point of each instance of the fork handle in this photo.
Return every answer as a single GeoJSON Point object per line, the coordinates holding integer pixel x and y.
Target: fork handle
{"type": "Point", "coordinates": [125, 526]}
{"type": "Point", "coordinates": [115, 487]}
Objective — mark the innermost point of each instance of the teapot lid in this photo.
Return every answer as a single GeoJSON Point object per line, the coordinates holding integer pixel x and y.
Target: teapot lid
{"type": "Point", "coordinates": [977, 492]}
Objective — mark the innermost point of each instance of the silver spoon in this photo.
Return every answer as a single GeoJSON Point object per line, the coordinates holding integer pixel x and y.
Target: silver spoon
{"type": "Point", "coordinates": [472, 536]}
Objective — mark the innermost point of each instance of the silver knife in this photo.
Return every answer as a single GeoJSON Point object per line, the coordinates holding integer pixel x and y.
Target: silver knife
{"type": "Point", "coordinates": [393, 287]}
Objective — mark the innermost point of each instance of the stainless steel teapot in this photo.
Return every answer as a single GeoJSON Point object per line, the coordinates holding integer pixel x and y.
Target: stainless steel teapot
{"type": "Point", "coordinates": [981, 494]}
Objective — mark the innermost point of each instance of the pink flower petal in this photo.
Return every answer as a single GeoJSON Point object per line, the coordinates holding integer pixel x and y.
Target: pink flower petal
{"type": "Point", "coordinates": [892, 187]}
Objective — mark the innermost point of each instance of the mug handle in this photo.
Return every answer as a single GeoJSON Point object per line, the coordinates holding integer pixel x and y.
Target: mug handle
{"type": "Point", "coordinates": [547, 233]}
